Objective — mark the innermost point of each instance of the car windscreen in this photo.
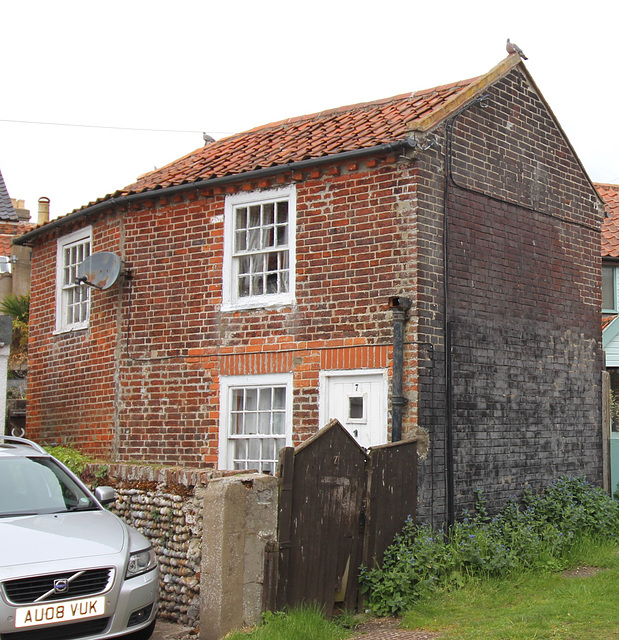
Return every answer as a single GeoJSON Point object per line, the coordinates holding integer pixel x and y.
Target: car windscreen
{"type": "Point", "coordinates": [39, 485]}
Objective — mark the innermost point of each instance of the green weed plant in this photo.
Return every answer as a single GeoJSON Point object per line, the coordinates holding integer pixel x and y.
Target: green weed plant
{"type": "Point", "coordinates": [536, 533]}
{"type": "Point", "coordinates": [298, 624]}
{"type": "Point", "coordinates": [72, 458]}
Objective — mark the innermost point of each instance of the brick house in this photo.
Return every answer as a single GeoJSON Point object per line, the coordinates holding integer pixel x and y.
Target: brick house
{"type": "Point", "coordinates": [322, 267]}
{"type": "Point", "coordinates": [610, 312]}
{"type": "Point", "coordinates": [14, 260]}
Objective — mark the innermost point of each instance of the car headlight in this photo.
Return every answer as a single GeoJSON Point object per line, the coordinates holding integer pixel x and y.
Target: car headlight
{"type": "Point", "coordinates": [141, 562]}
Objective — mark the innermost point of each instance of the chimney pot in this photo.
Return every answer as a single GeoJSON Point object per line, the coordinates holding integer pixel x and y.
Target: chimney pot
{"type": "Point", "coordinates": [43, 217]}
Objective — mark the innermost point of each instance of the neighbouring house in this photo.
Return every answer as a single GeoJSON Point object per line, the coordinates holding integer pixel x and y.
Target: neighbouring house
{"type": "Point", "coordinates": [14, 259]}
{"type": "Point", "coordinates": [425, 266]}
{"type": "Point", "coordinates": [610, 280]}
{"type": "Point", "coordinates": [14, 279]}
{"type": "Point", "coordinates": [610, 313]}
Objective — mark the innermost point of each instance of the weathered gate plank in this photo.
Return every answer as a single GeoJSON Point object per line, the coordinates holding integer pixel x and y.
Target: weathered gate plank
{"type": "Point", "coordinates": [286, 473]}
{"type": "Point", "coordinates": [392, 496]}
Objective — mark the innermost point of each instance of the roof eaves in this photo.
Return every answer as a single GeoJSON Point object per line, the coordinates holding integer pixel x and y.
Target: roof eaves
{"type": "Point", "coordinates": [121, 199]}
{"type": "Point", "coordinates": [610, 332]}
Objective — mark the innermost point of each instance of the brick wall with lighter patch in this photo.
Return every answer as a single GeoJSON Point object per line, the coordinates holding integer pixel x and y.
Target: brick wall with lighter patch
{"type": "Point", "coordinates": [71, 394]}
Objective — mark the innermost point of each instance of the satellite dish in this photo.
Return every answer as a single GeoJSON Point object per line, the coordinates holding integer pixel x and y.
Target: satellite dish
{"type": "Point", "coordinates": [100, 270]}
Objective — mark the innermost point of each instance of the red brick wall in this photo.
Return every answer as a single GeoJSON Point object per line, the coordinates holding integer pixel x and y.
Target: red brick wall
{"type": "Point", "coordinates": [142, 382]}
{"type": "Point", "coordinates": [71, 375]}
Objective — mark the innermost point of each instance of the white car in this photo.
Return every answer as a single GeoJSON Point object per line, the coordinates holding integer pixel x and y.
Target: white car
{"type": "Point", "coordinates": [68, 567]}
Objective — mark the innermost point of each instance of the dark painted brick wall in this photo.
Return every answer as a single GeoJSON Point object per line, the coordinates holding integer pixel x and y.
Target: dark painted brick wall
{"type": "Point", "coordinates": [523, 307]}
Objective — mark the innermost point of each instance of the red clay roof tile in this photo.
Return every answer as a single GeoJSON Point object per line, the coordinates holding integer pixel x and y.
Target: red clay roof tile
{"type": "Point", "coordinates": [10, 230]}
{"type": "Point", "coordinates": [610, 226]}
{"type": "Point", "coordinates": [329, 132]}
{"type": "Point", "coordinates": [319, 135]}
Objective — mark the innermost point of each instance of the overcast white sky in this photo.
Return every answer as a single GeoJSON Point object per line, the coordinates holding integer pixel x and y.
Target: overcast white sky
{"type": "Point", "coordinates": [226, 66]}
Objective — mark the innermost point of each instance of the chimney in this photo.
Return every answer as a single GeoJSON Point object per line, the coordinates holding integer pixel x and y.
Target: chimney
{"type": "Point", "coordinates": [20, 209]}
{"type": "Point", "coordinates": [43, 210]}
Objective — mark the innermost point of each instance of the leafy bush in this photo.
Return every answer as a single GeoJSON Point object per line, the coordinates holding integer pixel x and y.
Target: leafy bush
{"type": "Point", "coordinates": [72, 458]}
{"type": "Point", "coordinates": [574, 505]}
{"type": "Point", "coordinates": [534, 534]}
{"type": "Point", "coordinates": [418, 561]}
{"type": "Point", "coordinates": [18, 307]}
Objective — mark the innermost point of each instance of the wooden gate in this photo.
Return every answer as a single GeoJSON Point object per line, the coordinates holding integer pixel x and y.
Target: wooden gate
{"type": "Point", "coordinates": [339, 507]}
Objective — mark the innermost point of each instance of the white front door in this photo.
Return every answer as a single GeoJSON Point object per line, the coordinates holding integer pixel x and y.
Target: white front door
{"type": "Point", "coordinates": [358, 399]}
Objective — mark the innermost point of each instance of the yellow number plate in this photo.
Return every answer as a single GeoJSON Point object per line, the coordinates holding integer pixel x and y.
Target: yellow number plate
{"type": "Point", "coordinates": [59, 612]}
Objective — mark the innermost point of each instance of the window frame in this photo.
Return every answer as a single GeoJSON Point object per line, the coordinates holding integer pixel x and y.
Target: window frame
{"type": "Point", "coordinates": [231, 301]}
{"type": "Point", "coordinates": [227, 385]}
{"type": "Point", "coordinates": [614, 268]}
{"type": "Point", "coordinates": [6, 265]}
{"type": "Point", "coordinates": [80, 236]}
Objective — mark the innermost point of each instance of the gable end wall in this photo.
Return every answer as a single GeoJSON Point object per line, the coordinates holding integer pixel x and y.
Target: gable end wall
{"type": "Point", "coordinates": [523, 306]}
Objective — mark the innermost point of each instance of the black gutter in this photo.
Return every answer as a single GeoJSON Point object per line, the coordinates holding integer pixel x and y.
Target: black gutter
{"type": "Point", "coordinates": [213, 182]}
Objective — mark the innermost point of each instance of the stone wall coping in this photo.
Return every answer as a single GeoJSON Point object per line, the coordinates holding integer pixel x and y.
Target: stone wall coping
{"type": "Point", "coordinates": [190, 477]}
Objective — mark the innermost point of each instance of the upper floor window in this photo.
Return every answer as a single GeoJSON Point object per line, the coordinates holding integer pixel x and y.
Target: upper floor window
{"type": "Point", "coordinates": [72, 300]}
{"type": "Point", "coordinates": [259, 254]}
{"type": "Point", "coordinates": [609, 289]}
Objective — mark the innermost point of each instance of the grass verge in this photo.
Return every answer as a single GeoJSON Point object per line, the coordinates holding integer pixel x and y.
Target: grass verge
{"type": "Point", "coordinates": [531, 605]}
{"type": "Point", "coordinates": [298, 624]}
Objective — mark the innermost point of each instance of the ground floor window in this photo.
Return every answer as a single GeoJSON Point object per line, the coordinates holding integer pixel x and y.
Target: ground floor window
{"type": "Point", "coordinates": [256, 421]}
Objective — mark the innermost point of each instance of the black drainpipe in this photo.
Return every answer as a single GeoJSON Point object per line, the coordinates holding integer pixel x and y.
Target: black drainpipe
{"type": "Point", "coordinates": [399, 306]}
{"type": "Point", "coordinates": [448, 435]}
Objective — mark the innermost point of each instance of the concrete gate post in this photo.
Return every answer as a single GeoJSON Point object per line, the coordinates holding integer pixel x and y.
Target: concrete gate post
{"type": "Point", "coordinates": [240, 519]}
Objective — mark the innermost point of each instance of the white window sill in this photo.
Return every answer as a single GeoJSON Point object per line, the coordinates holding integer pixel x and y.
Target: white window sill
{"type": "Point", "coordinates": [74, 329]}
{"type": "Point", "coordinates": [262, 303]}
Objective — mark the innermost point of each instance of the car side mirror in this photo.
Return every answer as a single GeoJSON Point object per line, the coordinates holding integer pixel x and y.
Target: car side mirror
{"type": "Point", "coordinates": [105, 495]}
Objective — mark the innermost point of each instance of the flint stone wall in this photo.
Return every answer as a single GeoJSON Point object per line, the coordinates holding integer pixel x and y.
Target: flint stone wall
{"type": "Point", "coordinates": [166, 505]}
